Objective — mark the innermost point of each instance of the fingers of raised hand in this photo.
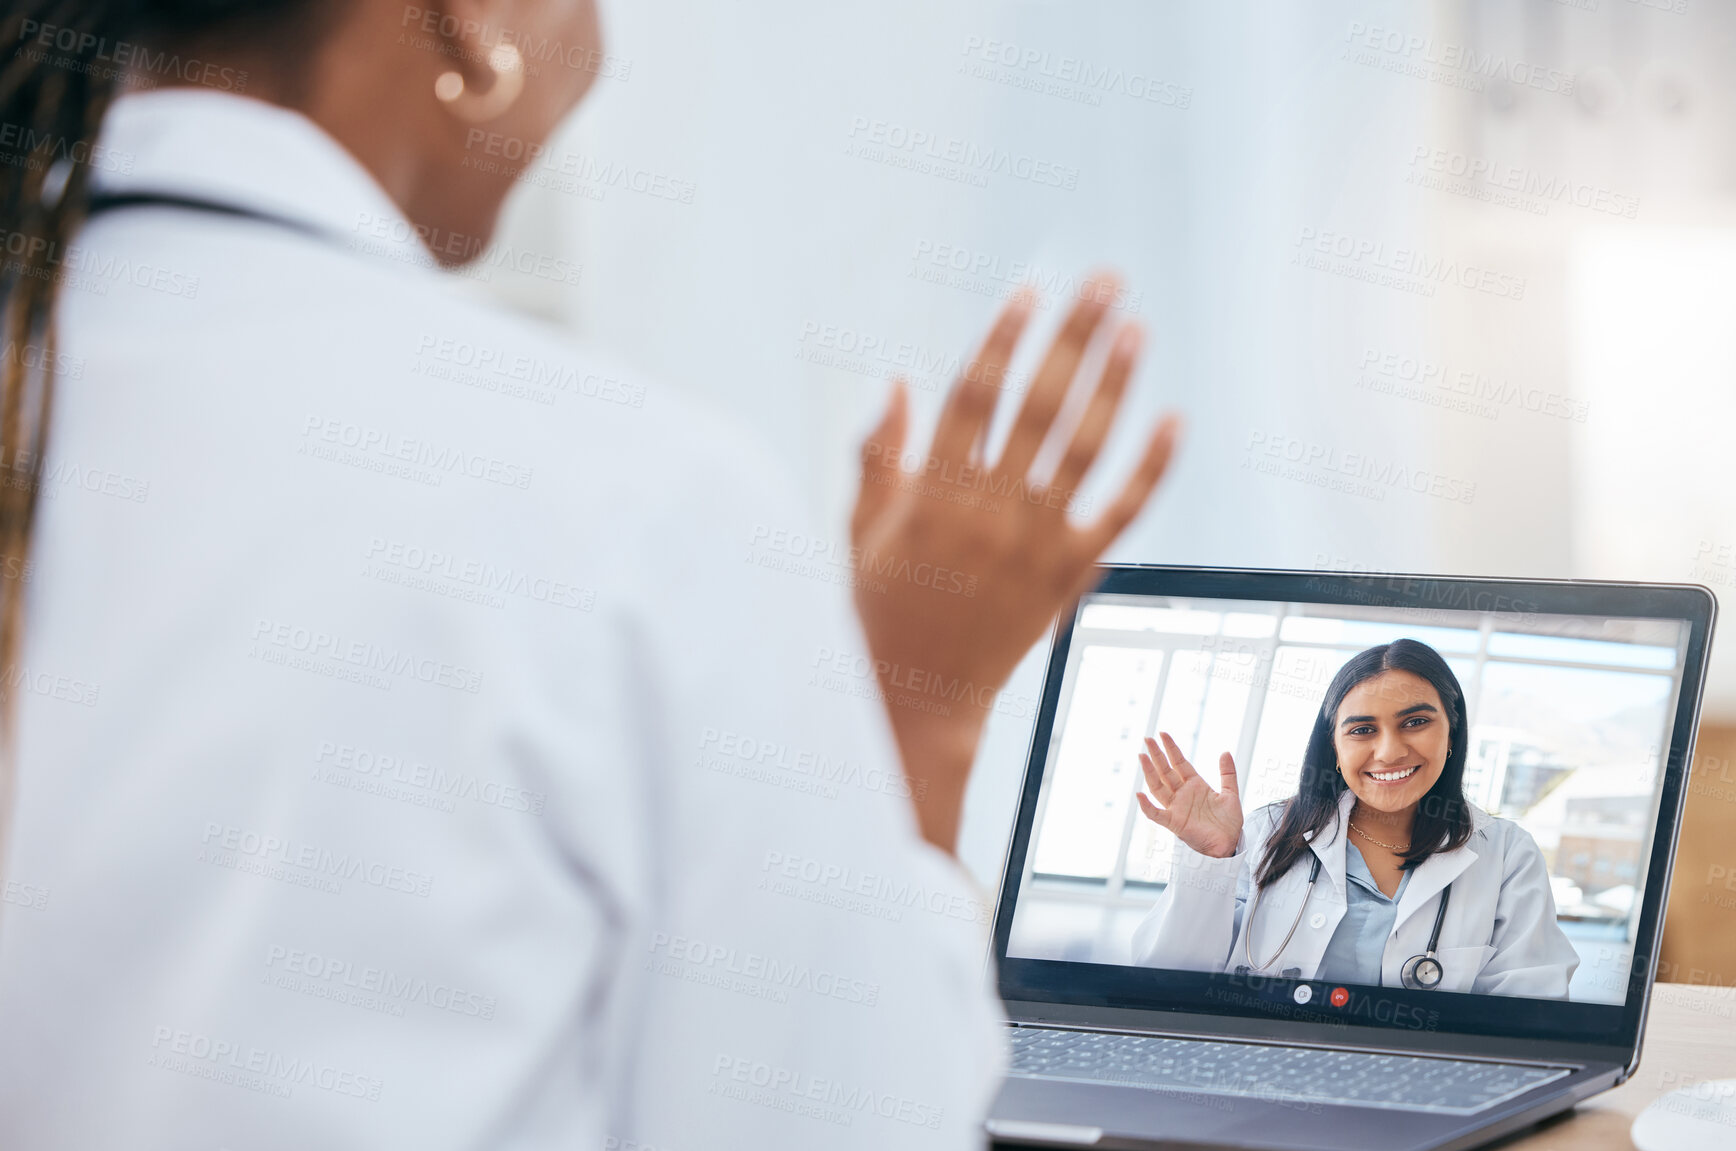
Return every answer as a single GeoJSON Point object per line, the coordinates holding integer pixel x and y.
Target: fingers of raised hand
{"type": "Point", "coordinates": [971, 402]}
{"type": "Point", "coordinates": [1227, 771]}
{"type": "Point", "coordinates": [1154, 780]}
{"type": "Point", "coordinates": [1152, 812]}
{"type": "Point", "coordinates": [1099, 418]}
{"type": "Point", "coordinates": [880, 462]}
{"type": "Point", "coordinates": [1161, 767]}
{"type": "Point", "coordinates": [1053, 380]}
{"type": "Point", "coordinates": [880, 451]}
{"type": "Point", "coordinates": [1178, 762]}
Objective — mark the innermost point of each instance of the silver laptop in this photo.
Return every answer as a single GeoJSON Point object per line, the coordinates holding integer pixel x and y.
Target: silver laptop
{"type": "Point", "coordinates": [1331, 978]}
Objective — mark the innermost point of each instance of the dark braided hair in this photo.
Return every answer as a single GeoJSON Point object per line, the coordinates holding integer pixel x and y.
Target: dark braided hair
{"type": "Point", "coordinates": [62, 62]}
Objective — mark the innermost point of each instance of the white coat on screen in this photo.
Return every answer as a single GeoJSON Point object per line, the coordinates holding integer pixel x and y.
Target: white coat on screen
{"type": "Point", "coordinates": [1500, 934]}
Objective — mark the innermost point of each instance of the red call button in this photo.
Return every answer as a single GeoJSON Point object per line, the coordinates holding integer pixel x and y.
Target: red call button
{"type": "Point", "coordinates": [1340, 997]}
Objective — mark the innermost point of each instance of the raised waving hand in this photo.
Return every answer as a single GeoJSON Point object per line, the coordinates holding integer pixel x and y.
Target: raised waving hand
{"type": "Point", "coordinates": [997, 546]}
{"type": "Point", "coordinates": [1207, 820]}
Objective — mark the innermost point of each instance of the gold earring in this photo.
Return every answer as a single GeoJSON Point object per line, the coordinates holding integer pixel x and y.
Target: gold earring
{"type": "Point", "coordinates": [508, 68]}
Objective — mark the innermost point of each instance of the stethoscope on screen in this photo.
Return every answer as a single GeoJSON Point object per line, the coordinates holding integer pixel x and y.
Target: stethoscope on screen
{"type": "Point", "coordinates": [1419, 973]}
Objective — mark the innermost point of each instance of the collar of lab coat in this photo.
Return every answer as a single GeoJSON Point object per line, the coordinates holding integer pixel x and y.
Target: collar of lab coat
{"type": "Point", "coordinates": [1430, 876]}
{"type": "Point", "coordinates": [1329, 843]}
{"type": "Point", "coordinates": [251, 154]}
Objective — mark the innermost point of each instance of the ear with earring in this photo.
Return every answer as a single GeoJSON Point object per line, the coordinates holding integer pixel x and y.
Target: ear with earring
{"type": "Point", "coordinates": [476, 108]}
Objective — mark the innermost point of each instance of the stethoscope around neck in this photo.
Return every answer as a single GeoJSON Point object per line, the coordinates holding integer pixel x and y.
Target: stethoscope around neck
{"type": "Point", "coordinates": [1419, 973]}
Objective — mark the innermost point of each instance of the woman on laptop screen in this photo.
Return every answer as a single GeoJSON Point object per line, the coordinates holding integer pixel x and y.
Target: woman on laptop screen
{"type": "Point", "coordinates": [1377, 871]}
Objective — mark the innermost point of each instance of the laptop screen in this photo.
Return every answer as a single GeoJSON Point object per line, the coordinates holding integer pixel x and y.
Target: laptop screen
{"type": "Point", "coordinates": [1359, 791]}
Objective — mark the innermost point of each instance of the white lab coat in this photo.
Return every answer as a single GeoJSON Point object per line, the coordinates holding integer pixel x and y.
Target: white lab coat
{"type": "Point", "coordinates": [418, 746]}
{"type": "Point", "coordinates": [1500, 935]}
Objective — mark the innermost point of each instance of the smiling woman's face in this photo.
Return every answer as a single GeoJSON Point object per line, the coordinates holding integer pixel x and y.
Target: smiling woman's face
{"type": "Point", "coordinates": [1391, 736]}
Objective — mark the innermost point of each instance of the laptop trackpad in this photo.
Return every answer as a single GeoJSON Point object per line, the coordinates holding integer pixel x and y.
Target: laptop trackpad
{"type": "Point", "coordinates": [1075, 1109]}
{"type": "Point", "coordinates": [1041, 1112]}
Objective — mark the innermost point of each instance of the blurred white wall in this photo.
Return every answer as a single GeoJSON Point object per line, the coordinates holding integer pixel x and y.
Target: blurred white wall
{"type": "Point", "coordinates": [1401, 264]}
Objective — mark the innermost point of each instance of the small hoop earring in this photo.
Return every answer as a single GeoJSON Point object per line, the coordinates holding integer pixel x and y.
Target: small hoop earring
{"type": "Point", "coordinates": [508, 68]}
{"type": "Point", "coordinates": [1340, 768]}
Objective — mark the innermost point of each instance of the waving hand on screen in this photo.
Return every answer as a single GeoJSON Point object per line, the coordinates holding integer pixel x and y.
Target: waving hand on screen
{"type": "Point", "coordinates": [1208, 821]}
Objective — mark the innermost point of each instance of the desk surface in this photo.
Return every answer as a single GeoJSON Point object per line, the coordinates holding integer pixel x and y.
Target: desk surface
{"type": "Point", "coordinates": [1690, 1036]}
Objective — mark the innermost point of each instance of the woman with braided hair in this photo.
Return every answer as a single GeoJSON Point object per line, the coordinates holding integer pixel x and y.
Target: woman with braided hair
{"type": "Point", "coordinates": [398, 756]}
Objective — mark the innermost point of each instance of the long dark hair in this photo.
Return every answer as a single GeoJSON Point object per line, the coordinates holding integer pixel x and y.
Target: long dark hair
{"type": "Point", "coordinates": [62, 62]}
{"type": "Point", "coordinates": [1443, 818]}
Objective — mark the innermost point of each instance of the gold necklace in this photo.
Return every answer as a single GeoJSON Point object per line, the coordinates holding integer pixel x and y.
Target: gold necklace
{"type": "Point", "coordinates": [1376, 842]}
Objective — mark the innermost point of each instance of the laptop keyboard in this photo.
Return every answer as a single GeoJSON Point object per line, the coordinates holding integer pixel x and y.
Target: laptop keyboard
{"type": "Point", "coordinates": [1291, 1075]}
